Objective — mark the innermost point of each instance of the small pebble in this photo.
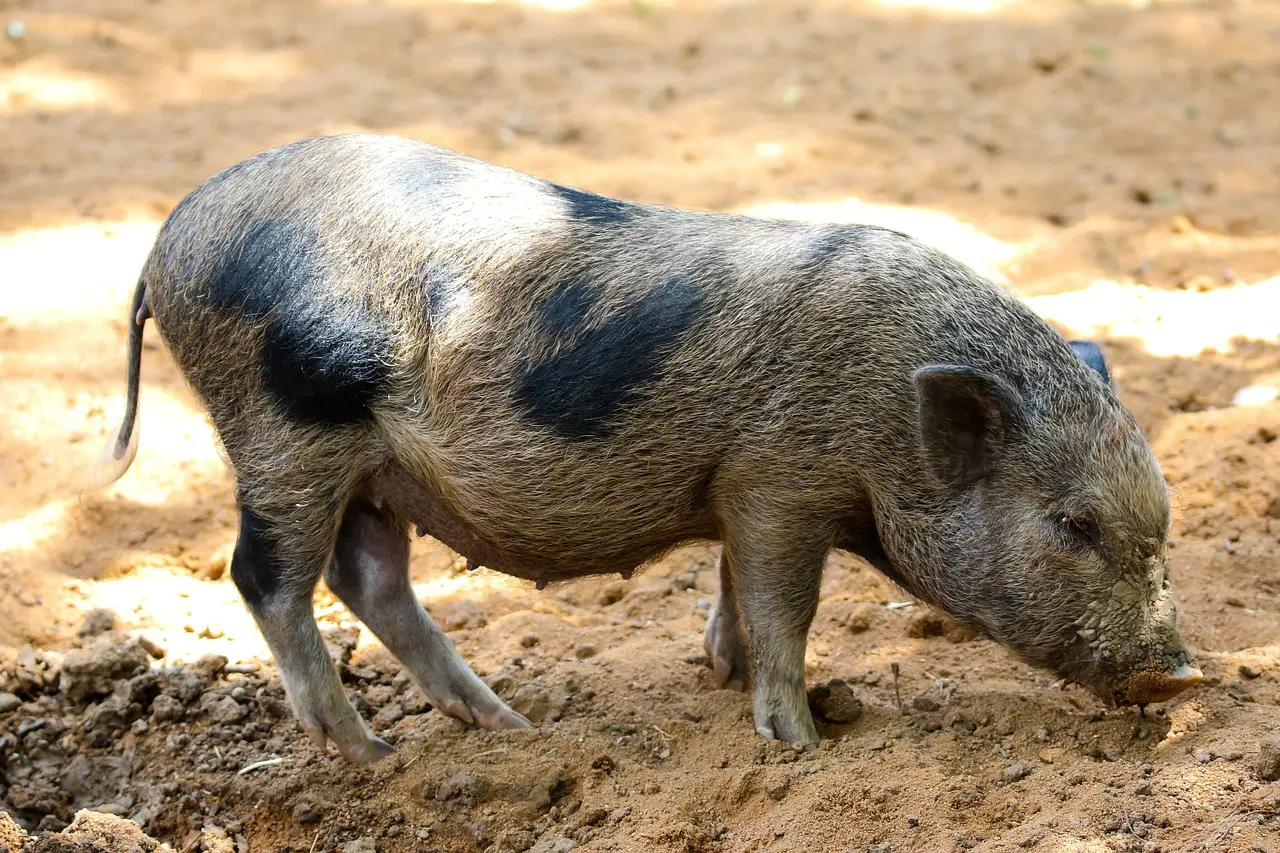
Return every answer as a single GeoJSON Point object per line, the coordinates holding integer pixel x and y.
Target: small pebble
{"type": "Point", "coordinates": [683, 582]}
{"type": "Point", "coordinates": [98, 621]}
{"type": "Point", "coordinates": [15, 30]}
{"type": "Point", "coordinates": [1268, 762]}
{"type": "Point", "coordinates": [1202, 755]}
{"type": "Point", "coordinates": [151, 647]}
{"type": "Point", "coordinates": [8, 702]}
{"type": "Point", "coordinates": [1249, 671]}
{"type": "Point", "coordinates": [835, 702]}
{"type": "Point", "coordinates": [924, 703]}
{"type": "Point", "coordinates": [304, 812]}
{"type": "Point", "coordinates": [1016, 772]}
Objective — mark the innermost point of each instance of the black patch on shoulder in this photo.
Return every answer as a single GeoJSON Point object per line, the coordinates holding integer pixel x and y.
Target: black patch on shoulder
{"type": "Point", "coordinates": [604, 369]}
{"type": "Point", "coordinates": [1091, 354]}
{"type": "Point", "coordinates": [255, 568]}
{"type": "Point", "coordinates": [564, 312]}
{"type": "Point", "coordinates": [324, 362]}
{"type": "Point", "coordinates": [597, 209]}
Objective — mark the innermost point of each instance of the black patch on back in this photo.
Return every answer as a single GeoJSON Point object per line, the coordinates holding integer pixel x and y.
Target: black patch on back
{"type": "Point", "coordinates": [597, 209]}
{"type": "Point", "coordinates": [604, 369]}
{"type": "Point", "coordinates": [255, 568]}
{"type": "Point", "coordinates": [1091, 354]}
{"type": "Point", "coordinates": [322, 361]}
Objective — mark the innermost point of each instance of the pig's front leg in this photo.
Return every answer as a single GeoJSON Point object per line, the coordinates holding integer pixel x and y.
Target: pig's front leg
{"type": "Point", "coordinates": [777, 570]}
{"type": "Point", "coordinates": [723, 640]}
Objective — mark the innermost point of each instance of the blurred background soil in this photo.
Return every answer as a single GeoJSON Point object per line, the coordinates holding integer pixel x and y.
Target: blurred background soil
{"type": "Point", "coordinates": [1117, 164]}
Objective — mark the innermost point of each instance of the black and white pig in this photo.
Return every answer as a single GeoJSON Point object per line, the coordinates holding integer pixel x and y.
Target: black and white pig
{"type": "Point", "coordinates": [389, 336]}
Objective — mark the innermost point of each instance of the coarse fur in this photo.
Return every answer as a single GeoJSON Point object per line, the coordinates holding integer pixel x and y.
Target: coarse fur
{"type": "Point", "coordinates": [554, 384]}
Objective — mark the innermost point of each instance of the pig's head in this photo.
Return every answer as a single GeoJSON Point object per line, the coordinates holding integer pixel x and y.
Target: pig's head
{"type": "Point", "coordinates": [1055, 526]}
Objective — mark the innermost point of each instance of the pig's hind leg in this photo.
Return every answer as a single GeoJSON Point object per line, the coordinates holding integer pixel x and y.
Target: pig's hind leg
{"type": "Point", "coordinates": [275, 566]}
{"type": "Point", "coordinates": [370, 573]}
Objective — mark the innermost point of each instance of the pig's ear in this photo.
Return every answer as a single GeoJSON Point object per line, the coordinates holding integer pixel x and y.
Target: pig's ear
{"type": "Point", "coordinates": [1091, 354]}
{"type": "Point", "coordinates": [966, 416]}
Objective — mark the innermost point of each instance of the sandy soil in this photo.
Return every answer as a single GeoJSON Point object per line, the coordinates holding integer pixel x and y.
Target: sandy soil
{"type": "Point", "coordinates": [1118, 164]}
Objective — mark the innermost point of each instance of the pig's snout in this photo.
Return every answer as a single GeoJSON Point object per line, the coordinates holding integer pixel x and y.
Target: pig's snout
{"type": "Point", "coordinates": [1149, 686]}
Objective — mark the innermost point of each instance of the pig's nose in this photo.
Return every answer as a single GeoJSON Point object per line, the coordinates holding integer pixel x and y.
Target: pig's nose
{"type": "Point", "coordinates": [1161, 686]}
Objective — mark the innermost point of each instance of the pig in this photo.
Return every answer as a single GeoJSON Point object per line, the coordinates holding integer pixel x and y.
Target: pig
{"type": "Point", "coordinates": [389, 336]}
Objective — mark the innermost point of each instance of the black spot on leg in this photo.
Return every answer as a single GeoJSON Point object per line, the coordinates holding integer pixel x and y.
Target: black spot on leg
{"type": "Point", "coordinates": [597, 209]}
{"type": "Point", "coordinates": [322, 357]}
{"type": "Point", "coordinates": [255, 569]}
{"type": "Point", "coordinates": [603, 369]}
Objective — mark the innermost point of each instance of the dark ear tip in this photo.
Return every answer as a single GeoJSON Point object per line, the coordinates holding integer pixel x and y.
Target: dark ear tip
{"type": "Point", "coordinates": [1091, 354]}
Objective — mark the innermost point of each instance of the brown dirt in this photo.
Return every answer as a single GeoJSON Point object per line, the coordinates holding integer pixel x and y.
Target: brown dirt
{"type": "Point", "coordinates": [1117, 163]}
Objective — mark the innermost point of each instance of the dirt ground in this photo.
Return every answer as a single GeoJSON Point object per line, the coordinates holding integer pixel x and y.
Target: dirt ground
{"type": "Point", "coordinates": [1117, 164]}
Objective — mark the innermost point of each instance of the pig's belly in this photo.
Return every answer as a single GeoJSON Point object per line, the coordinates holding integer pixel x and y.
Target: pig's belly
{"type": "Point", "coordinates": [553, 525]}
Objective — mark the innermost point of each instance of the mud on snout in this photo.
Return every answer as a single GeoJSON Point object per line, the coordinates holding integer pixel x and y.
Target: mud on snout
{"type": "Point", "coordinates": [1128, 650]}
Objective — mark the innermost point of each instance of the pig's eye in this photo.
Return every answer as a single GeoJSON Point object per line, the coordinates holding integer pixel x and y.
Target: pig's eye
{"type": "Point", "coordinates": [1082, 529]}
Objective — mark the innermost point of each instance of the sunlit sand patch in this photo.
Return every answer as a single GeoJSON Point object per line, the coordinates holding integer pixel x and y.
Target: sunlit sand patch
{"type": "Point", "coordinates": [967, 7]}
{"type": "Point", "coordinates": [26, 533]}
{"type": "Point", "coordinates": [49, 88]}
{"type": "Point", "coordinates": [986, 254]}
{"type": "Point", "coordinates": [1169, 322]}
{"type": "Point", "coordinates": [549, 5]}
{"type": "Point", "coordinates": [187, 616]}
{"type": "Point", "coordinates": [75, 271]}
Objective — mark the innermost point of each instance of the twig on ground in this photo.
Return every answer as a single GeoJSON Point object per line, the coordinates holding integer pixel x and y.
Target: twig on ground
{"type": "Point", "coordinates": [257, 765]}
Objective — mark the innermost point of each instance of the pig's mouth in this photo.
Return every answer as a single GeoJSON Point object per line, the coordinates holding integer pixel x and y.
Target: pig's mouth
{"type": "Point", "coordinates": [1144, 685]}
{"type": "Point", "coordinates": [1147, 686]}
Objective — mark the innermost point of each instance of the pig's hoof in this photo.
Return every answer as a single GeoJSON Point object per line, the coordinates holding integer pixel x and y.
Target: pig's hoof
{"type": "Point", "coordinates": [374, 749]}
{"type": "Point", "coordinates": [360, 750]}
{"type": "Point", "coordinates": [795, 732]}
{"type": "Point", "coordinates": [723, 646]}
{"type": "Point", "coordinates": [500, 717]}
{"type": "Point", "coordinates": [729, 673]}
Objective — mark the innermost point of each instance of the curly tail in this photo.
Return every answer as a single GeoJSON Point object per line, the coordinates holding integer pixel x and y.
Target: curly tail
{"type": "Point", "coordinates": [118, 455]}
